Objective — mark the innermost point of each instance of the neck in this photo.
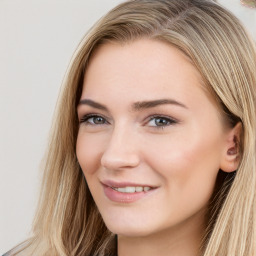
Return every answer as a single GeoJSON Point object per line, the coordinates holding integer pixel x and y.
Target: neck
{"type": "Point", "coordinates": [181, 240]}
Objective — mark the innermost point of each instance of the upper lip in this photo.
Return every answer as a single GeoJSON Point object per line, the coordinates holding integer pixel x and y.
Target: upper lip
{"type": "Point", "coordinates": [116, 184]}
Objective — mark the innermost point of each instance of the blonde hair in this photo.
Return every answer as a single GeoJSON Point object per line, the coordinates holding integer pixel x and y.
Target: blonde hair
{"type": "Point", "coordinates": [67, 222]}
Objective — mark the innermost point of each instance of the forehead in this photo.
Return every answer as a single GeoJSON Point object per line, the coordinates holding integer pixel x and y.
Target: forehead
{"type": "Point", "coordinates": [141, 69]}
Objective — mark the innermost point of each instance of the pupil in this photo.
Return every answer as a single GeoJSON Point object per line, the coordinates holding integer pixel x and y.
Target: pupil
{"type": "Point", "coordinates": [98, 120]}
{"type": "Point", "coordinates": [161, 122]}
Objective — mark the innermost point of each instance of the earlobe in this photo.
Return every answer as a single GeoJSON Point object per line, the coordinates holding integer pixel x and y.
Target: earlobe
{"type": "Point", "coordinates": [231, 154]}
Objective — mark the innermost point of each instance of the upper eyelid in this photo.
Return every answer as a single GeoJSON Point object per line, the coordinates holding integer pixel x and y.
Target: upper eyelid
{"type": "Point", "coordinates": [149, 117]}
{"type": "Point", "coordinates": [162, 116]}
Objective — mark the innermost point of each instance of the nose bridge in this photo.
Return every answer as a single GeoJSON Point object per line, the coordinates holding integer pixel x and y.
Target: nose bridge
{"type": "Point", "coordinates": [122, 148]}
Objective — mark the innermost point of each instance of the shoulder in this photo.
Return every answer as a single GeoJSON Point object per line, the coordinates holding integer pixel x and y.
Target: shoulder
{"type": "Point", "coordinates": [7, 254]}
{"type": "Point", "coordinates": [11, 253]}
{"type": "Point", "coordinates": [16, 251]}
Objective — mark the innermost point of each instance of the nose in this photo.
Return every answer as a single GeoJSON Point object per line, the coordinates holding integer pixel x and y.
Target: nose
{"type": "Point", "coordinates": [121, 151]}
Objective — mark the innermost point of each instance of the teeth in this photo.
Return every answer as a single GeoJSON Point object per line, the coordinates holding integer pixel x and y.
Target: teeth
{"type": "Point", "coordinates": [127, 189]}
{"type": "Point", "coordinates": [139, 189]}
{"type": "Point", "coordinates": [132, 189]}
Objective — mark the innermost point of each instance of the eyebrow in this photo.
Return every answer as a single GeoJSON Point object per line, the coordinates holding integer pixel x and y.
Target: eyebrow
{"type": "Point", "coordinates": [154, 103]}
{"type": "Point", "coordinates": [136, 106]}
{"type": "Point", "coordinates": [93, 104]}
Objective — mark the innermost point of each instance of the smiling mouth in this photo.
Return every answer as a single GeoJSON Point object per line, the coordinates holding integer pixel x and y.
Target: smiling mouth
{"type": "Point", "coordinates": [126, 192]}
{"type": "Point", "coordinates": [132, 189]}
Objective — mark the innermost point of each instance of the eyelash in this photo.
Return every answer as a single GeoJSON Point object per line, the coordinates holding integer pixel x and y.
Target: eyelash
{"type": "Point", "coordinates": [85, 119]}
{"type": "Point", "coordinates": [170, 121]}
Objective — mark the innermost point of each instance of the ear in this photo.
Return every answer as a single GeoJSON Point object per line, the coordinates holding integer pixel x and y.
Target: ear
{"type": "Point", "coordinates": [231, 153]}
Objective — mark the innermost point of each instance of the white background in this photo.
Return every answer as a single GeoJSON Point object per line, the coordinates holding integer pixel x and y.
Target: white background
{"type": "Point", "coordinates": [37, 39]}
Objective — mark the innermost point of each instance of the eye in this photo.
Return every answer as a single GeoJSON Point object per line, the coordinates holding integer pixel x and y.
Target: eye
{"type": "Point", "coordinates": [159, 121]}
{"type": "Point", "coordinates": [93, 120]}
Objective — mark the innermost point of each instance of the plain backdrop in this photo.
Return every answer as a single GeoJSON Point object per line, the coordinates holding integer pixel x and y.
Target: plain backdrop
{"type": "Point", "coordinates": [37, 40]}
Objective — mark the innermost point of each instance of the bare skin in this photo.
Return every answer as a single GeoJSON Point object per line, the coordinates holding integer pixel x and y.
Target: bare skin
{"type": "Point", "coordinates": [182, 240]}
{"type": "Point", "coordinates": [147, 124]}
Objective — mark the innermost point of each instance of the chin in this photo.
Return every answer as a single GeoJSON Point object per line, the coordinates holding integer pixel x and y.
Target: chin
{"type": "Point", "coordinates": [129, 232]}
{"type": "Point", "coordinates": [129, 229]}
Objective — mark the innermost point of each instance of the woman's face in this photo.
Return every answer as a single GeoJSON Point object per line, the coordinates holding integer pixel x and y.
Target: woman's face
{"type": "Point", "coordinates": [150, 141]}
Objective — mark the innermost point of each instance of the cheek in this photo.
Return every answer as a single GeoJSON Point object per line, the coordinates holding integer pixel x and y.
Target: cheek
{"type": "Point", "coordinates": [188, 172]}
{"type": "Point", "coordinates": [186, 163]}
{"type": "Point", "coordinates": [89, 152]}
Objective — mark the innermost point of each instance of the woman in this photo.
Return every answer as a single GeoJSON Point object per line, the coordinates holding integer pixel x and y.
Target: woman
{"type": "Point", "coordinates": [153, 147]}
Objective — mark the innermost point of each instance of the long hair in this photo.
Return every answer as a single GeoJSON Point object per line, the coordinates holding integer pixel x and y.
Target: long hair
{"type": "Point", "coordinates": [67, 222]}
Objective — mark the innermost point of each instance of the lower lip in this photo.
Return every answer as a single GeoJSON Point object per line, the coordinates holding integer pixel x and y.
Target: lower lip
{"type": "Point", "coordinates": [120, 197]}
